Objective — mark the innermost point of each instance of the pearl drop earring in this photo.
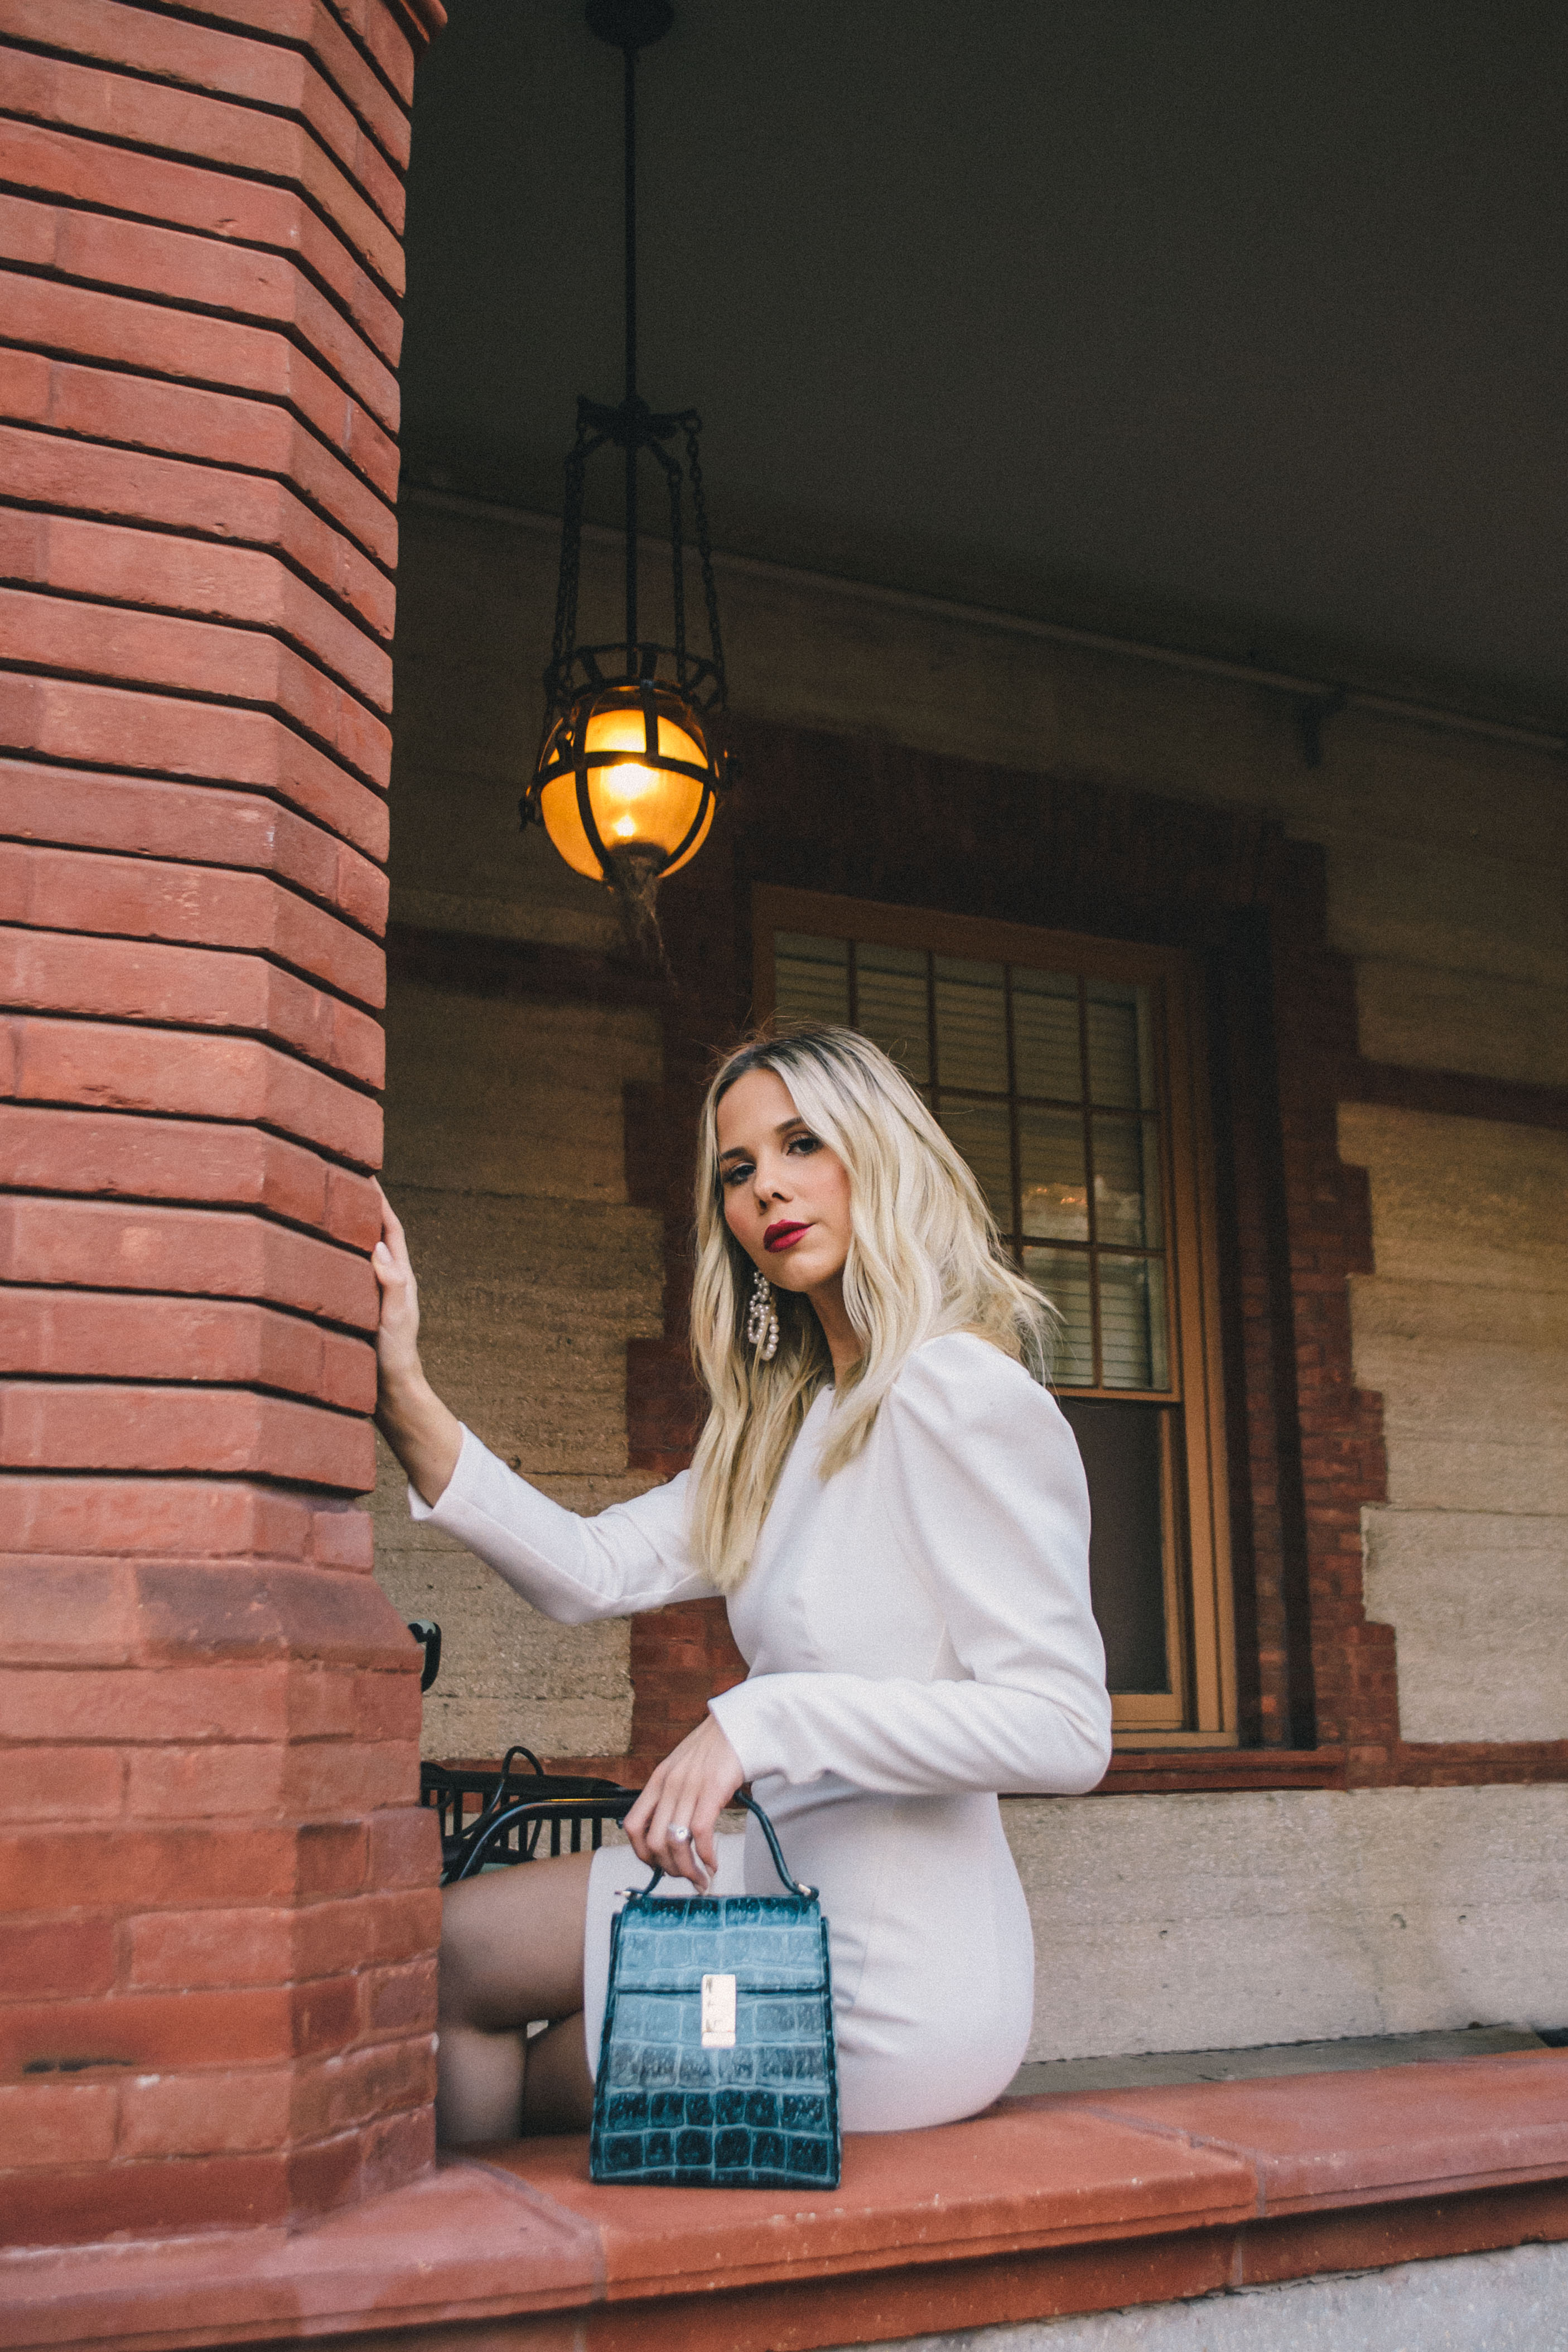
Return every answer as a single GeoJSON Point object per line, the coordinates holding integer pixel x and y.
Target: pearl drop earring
{"type": "Point", "coordinates": [762, 1318]}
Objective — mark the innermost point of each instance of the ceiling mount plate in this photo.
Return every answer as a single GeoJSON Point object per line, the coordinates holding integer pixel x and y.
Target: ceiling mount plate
{"type": "Point", "coordinates": [629, 24]}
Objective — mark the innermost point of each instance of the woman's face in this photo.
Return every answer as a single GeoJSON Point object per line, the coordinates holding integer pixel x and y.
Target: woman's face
{"type": "Point", "coordinates": [786, 1192]}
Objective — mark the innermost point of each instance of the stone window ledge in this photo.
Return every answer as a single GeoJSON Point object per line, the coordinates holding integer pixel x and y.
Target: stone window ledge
{"type": "Point", "coordinates": [1182, 1770]}
{"type": "Point", "coordinates": [1042, 2207]}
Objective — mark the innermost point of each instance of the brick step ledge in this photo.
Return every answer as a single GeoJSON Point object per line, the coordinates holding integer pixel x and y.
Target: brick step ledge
{"type": "Point", "coordinates": [1043, 2206]}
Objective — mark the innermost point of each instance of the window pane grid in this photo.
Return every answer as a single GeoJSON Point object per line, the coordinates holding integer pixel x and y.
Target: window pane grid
{"type": "Point", "coordinates": [1045, 1082]}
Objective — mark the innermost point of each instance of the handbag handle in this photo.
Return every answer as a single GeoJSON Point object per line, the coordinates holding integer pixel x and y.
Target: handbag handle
{"type": "Point", "coordinates": [807, 1894]}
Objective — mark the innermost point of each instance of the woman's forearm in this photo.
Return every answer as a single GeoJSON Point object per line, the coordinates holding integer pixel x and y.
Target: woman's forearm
{"type": "Point", "coordinates": [425, 1436]}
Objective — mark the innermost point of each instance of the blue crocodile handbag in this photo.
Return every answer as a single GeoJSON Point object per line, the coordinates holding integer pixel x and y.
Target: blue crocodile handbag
{"type": "Point", "coordinates": [716, 2066]}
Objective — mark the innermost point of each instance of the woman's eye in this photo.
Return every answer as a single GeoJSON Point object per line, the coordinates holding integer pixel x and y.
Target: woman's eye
{"type": "Point", "coordinates": [737, 1173]}
{"type": "Point", "coordinates": [805, 1144]}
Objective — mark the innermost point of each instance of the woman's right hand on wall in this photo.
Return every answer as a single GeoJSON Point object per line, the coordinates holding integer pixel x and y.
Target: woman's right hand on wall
{"type": "Point", "coordinates": [397, 1336]}
{"type": "Point", "coordinates": [427, 1438]}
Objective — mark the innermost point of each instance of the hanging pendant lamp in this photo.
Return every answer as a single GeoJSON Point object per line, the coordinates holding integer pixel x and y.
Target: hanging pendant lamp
{"type": "Point", "coordinates": [632, 759]}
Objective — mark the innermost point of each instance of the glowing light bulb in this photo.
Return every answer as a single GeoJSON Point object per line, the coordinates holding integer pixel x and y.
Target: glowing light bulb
{"type": "Point", "coordinates": [632, 805]}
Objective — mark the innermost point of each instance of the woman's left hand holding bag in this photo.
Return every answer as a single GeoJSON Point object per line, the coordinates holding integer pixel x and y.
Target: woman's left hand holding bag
{"type": "Point", "coordinates": [687, 1791]}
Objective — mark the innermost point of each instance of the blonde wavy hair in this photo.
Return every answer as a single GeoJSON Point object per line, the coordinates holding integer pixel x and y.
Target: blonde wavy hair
{"type": "Point", "coordinates": [924, 1259]}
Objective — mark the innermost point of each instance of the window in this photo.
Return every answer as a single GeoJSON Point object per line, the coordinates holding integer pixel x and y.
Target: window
{"type": "Point", "coordinates": [1064, 1070]}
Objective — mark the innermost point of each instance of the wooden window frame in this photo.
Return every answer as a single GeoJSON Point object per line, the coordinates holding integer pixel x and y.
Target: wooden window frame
{"type": "Point", "coordinates": [1200, 1709]}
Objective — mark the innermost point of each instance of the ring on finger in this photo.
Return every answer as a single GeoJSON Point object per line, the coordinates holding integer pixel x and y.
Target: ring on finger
{"type": "Point", "coordinates": [678, 1834]}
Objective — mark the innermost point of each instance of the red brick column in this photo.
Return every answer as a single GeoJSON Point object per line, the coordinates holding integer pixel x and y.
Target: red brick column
{"type": "Point", "coordinates": [217, 1971]}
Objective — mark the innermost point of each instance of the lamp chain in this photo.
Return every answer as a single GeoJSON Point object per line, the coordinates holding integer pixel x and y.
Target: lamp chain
{"type": "Point", "coordinates": [570, 554]}
{"type": "Point", "coordinates": [704, 551]}
{"type": "Point", "coordinates": [633, 435]}
{"type": "Point", "coordinates": [677, 563]}
{"type": "Point", "coordinates": [627, 808]}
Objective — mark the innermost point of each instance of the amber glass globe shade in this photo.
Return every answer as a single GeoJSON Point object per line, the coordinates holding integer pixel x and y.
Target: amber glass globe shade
{"type": "Point", "coordinates": [642, 797]}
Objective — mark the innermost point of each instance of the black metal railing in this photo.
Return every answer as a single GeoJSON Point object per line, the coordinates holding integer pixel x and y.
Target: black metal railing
{"type": "Point", "coordinates": [516, 1814]}
{"type": "Point", "coordinates": [493, 1818]}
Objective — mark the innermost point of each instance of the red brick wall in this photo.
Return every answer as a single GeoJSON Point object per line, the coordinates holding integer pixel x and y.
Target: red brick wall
{"type": "Point", "coordinates": [216, 1978]}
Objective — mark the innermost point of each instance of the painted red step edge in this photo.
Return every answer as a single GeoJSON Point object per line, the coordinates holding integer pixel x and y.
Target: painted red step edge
{"type": "Point", "coordinates": [1039, 2208]}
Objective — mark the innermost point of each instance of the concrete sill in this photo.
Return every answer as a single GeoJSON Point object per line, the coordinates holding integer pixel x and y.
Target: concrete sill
{"type": "Point", "coordinates": [1136, 1770]}
{"type": "Point", "coordinates": [1073, 2202]}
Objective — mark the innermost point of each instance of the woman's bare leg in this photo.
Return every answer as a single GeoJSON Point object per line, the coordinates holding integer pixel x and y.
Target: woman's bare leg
{"type": "Point", "coordinates": [511, 1952]}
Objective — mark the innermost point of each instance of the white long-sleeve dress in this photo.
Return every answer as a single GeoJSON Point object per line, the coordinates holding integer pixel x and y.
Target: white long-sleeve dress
{"type": "Point", "coordinates": [919, 1637]}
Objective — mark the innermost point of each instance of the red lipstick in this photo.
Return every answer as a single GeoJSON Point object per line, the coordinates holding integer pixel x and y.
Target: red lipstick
{"type": "Point", "coordinates": [783, 1235]}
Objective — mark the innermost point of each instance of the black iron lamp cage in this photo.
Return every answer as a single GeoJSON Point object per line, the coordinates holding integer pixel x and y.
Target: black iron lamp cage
{"type": "Point", "coordinates": [632, 758]}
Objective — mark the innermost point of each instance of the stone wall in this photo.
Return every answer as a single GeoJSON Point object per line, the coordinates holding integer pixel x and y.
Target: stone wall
{"type": "Point", "coordinates": [1464, 1329]}
{"type": "Point", "coordinates": [1446, 858]}
{"type": "Point", "coordinates": [1448, 852]}
{"type": "Point", "coordinates": [1178, 1920]}
{"type": "Point", "coordinates": [1221, 1922]}
{"type": "Point", "coordinates": [504, 1159]}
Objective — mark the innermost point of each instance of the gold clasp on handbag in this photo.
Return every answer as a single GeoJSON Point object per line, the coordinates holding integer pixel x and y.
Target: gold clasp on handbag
{"type": "Point", "coordinates": [718, 2012]}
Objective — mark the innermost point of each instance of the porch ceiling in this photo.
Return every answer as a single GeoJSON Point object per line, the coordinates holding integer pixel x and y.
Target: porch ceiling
{"type": "Point", "coordinates": [1238, 328]}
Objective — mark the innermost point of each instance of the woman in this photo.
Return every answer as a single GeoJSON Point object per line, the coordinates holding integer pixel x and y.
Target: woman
{"type": "Point", "coordinates": [894, 1509]}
